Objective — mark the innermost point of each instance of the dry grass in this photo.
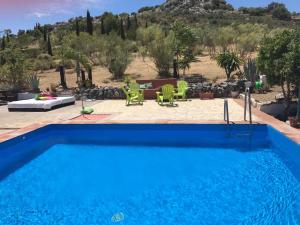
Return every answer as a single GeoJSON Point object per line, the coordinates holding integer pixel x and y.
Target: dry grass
{"type": "Point", "coordinates": [138, 69]}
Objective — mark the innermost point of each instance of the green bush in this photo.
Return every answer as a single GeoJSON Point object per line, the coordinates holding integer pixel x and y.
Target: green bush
{"type": "Point", "coordinates": [15, 69]}
{"type": "Point", "coordinates": [43, 62]}
{"type": "Point", "coordinates": [31, 53]}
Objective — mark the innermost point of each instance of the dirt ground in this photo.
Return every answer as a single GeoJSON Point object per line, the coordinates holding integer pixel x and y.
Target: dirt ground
{"type": "Point", "coordinates": [269, 96]}
{"type": "Point", "coordinates": [138, 69]}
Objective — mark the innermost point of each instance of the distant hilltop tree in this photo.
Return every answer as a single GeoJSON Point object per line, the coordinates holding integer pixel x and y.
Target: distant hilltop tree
{"type": "Point", "coordinates": [277, 10]}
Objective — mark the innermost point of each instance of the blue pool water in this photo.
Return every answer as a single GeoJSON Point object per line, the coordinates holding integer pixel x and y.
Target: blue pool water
{"type": "Point", "coordinates": [150, 174]}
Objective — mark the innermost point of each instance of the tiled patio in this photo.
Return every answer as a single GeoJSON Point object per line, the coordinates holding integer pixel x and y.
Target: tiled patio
{"type": "Point", "coordinates": [194, 110]}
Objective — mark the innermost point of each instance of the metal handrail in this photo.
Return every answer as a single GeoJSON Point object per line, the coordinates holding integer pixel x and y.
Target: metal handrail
{"type": "Point", "coordinates": [226, 111]}
{"type": "Point", "coordinates": [247, 105]}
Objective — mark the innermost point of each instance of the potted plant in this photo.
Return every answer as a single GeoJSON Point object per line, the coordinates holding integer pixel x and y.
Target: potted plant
{"type": "Point", "coordinates": [294, 122]}
{"type": "Point", "coordinates": [235, 91]}
{"type": "Point", "coordinates": [206, 95]}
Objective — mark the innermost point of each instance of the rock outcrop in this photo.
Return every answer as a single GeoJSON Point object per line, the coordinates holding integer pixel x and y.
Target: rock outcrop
{"type": "Point", "coordinates": [195, 6]}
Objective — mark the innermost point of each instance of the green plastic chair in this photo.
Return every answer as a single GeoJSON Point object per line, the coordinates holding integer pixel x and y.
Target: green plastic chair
{"type": "Point", "coordinates": [133, 96]}
{"type": "Point", "coordinates": [134, 89]}
{"type": "Point", "coordinates": [166, 94]}
{"type": "Point", "coordinates": [182, 87]}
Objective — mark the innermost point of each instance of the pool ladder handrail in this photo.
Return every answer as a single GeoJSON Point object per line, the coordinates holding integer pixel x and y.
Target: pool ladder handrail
{"type": "Point", "coordinates": [247, 104]}
{"type": "Point", "coordinates": [226, 111]}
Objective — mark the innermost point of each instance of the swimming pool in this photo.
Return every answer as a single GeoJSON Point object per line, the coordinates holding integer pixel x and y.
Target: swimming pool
{"type": "Point", "coordinates": [150, 174]}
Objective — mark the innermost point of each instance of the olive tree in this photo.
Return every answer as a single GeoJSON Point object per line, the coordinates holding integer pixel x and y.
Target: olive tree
{"type": "Point", "coordinates": [87, 48]}
{"type": "Point", "coordinates": [115, 55]}
{"type": "Point", "coordinates": [159, 47]}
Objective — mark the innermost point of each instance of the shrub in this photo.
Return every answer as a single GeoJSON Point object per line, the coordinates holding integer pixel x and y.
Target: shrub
{"type": "Point", "coordinates": [43, 62]}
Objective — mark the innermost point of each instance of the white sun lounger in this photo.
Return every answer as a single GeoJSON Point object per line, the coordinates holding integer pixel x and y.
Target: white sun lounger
{"type": "Point", "coordinates": [39, 105]}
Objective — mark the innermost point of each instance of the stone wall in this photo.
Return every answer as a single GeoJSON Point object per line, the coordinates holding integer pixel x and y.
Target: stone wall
{"type": "Point", "coordinates": [221, 90]}
{"type": "Point", "coordinates": [101, 93]}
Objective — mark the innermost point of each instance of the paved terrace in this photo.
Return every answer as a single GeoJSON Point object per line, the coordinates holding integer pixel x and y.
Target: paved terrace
{"type": "Point", "coordinates": [192, 111]}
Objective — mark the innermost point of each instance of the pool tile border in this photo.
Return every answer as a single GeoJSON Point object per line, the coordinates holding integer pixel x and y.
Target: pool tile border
{"type": "Point", "coordinates": [290, 132]}
{"type": "Point", "coordinates": [284, 128]}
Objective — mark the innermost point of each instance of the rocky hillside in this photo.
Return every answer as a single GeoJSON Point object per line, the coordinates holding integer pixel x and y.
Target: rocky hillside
{"type": "Point", "coordinates": [195, 6]}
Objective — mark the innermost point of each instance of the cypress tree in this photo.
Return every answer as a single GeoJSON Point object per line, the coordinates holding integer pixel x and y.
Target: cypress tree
{"type": "Point", "coordinates": [89, 23]}
{"type": "Point", "coordinates": [3, 43]}
{"type": "Point", "coordinates": [102, 26]}
{"type": "Point", "coordinates": [122, 32]}
{"type": "Point", "coordinates": [38, 26]}
{"type": "Point", "coordinates": [136, 21]}
{"type": "Point", "coordinates": [49, 46]}
{"type": "Point", "coordinates": [45, 34]}
{"type": "Point", "coordinates": [77, 27]}
{"type": "Point", "coordinates": [128, 23]}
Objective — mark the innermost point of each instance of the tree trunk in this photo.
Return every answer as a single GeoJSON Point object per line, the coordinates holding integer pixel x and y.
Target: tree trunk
{"type": "Point", "coordinates": [175, 69]}
{"type": "Point", "coordinates": [90, 75]}
{"type": "Point", "coordinates": [83, 76]}
{"type": "Point", "coordinates": [62, 77]}
{"type": "Point", "coordinates": [227, 74]}
{"type": "Point", "coordinates": [298, 107]}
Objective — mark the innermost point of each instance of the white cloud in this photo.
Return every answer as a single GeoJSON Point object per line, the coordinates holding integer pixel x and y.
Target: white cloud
{"type": "Point", "coordinates": [40, 14]}
{"type": "Point", "coordinates": [59, 7]}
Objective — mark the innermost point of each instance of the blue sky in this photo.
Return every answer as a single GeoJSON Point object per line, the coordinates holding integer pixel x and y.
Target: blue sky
{"type": "Point", "coordinates": [23, 14]}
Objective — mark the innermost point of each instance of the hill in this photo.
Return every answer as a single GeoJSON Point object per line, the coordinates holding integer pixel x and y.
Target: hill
{"type": "Point", "coordinates": [140, 44]}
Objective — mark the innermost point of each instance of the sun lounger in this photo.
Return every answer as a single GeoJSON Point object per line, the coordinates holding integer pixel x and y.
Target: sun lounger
{"type": "Point", "coordinates": [39, 105]}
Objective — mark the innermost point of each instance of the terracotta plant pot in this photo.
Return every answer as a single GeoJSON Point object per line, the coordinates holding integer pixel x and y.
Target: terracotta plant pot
{"type": "Point", "coordinates": [294, 122]}
{"type": "Point", "coordinates": [235, 94]}
{"type": "Point", "coordinates": [206, 95]}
